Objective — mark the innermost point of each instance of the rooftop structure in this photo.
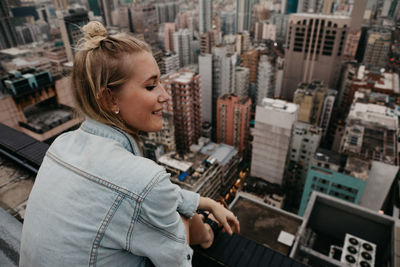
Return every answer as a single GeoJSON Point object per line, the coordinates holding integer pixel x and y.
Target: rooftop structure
{"type": "Point", "coordinates": [380, 81]}
{"type": "Point", "coordinates": [33, 104]}
{"type": "Point", "coordinates": [195, 172]}
{"type": "Point", "coordinates": [371, 133]}
{"type": "Point", "coordinates": [265, 224]}
{"type": "Point", "coordinates": [326, 222]}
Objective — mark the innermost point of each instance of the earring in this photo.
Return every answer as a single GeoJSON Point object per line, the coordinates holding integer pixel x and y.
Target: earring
{"type": "Point", "coordinates": [117, 111]}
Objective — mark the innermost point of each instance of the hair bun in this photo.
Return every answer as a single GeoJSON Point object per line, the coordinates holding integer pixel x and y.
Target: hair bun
{"type": "Point", "coordinates": [93, 29]}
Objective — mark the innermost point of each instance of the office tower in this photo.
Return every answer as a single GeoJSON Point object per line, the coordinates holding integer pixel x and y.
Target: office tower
{"type": "Point", "coordinates": [144, 21]}
{"type": "Point", "coordinates": [272, 133]}
{"type": "Point", "coordinates": [169, 63]}
{"type": "Point", "coordinates": [169, 29]}
{"type": "Point", "coordinates": [244, 9]}
{"type": "Point", "coordinates": [354, 34]}
{"type": "Point", "coordinates": [242, 42]}
{"type": "Point", "coordinates": [371, 133]}
{"type": "Point", "coordinates": [228, 22]}
{"type": "Point", "coordinates": [313, 50]}
{"type": "Point", "coordinates": [205, 16]}
{"type": "Point", "coordinates": [242, 82]}
{"type": "Point", "coordinates": [185, 91]}
{"type": "Point", "coordinates": [249, 59]}
{"type": "Point", "coordinates": [182, 46]}
{"type": "Point", "coordinates": [265, 79]}
{"type": "Point", "coordinates": [233, 121]}
{"type": "Point", "coordinates": [206, 79]}
{"type": "Point", "coordinates": [315, 102]}
{"type": "Point", "coordinates": [378, 47]}
{"type": "Point", "coordinates": [166, 12]}
{"type": "Point", "coordinates": [8, 37]}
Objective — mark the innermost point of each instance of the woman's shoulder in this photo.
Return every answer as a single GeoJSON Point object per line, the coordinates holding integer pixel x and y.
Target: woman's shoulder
{"type": "Point", "coordinates": [105, 159]}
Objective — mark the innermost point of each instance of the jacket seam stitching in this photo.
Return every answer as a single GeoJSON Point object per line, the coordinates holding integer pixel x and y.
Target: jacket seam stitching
{"type": "Point", "coordinates": [136, 215]}
{"type": "Point", "coordinates": [162, 231]}
{"type": "Point", "coordinates": [94, 178]}
{"type": "Point", "coordinates": [102, 229]}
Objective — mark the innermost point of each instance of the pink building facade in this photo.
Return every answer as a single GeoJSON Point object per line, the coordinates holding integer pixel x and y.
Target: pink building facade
{"type": "Point", "coordinates": [233, 121]}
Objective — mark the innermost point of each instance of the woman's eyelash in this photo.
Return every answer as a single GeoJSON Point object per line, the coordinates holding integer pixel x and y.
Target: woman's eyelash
{"type": "Point", "coordinates": [150, 87]}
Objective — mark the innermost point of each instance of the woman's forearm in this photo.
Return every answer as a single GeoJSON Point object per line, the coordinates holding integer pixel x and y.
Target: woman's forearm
{"type": "Point", "coordinates": [206, 203]}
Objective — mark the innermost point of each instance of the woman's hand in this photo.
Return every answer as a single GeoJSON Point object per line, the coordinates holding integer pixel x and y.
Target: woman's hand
{"type": "Point", "coordinates": [224, 216]}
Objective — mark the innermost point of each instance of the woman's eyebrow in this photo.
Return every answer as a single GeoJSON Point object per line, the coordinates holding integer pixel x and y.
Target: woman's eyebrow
{"type": "Point", "coordinates": [154, 77]}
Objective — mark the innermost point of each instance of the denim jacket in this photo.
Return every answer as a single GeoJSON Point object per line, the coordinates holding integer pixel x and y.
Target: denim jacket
{"type": "Point", "coordinates": [97, 202]}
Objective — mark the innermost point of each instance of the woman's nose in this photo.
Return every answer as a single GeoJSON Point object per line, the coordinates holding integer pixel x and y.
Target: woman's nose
{"type": "Point", "coordinates": [164, 96]}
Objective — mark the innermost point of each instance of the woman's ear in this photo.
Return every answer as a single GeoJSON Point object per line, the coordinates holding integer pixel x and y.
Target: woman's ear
{"type": "Point", "coordinates": [108, 100]}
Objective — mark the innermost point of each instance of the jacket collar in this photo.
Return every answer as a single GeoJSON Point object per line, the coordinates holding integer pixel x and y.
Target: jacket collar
{"type": "Point", "coordinates": [103, 130]}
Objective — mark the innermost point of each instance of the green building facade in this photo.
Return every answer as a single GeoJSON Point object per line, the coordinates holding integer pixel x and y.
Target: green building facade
{"type": "Point", "coordinates": [330, 182]}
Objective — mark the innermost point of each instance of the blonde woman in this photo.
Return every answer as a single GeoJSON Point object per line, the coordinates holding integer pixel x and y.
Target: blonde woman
{"type": "Point", "coordinates": [96, 201]}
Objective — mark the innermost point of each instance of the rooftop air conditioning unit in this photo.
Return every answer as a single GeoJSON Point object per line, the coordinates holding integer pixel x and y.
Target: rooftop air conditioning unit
{"type": "Point", "coordinates": [358, 252]}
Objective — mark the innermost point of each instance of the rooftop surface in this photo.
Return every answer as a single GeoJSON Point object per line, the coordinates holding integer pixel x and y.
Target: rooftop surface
{"type": "Point", "coordinates": [380, 180]}
{"type": "Point", "coordinates": [263, 223]}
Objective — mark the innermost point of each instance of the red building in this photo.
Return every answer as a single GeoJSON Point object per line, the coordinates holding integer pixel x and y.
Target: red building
{"type": "Point", "coordinates": [233, 121]}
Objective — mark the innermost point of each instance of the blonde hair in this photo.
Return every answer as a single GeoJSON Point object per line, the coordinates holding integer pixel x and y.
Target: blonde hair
{"type": "Point", "coordinates": [101, 62]}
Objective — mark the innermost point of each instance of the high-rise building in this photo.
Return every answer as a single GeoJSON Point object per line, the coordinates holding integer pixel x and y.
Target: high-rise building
{"type": "Point", "coordinates": [265, 79]}
{"type": "Point", "coordinates": [206, 79]}
{"type": "Point", "coordinates": [304, 143]}
{"type": "Point", "coordinates": [310, 6]}
{"type": "Point", "coordinates": [281, 25]}
{"type": "Point", "coordinates": [169, 63]}
{"type": "Point", "coordinates": [182, 46]}
{"type": "Point", "coordinates": [185, 90]}
{"type": "Point", "coordinates": [313, 50]}
{"type": "Point", "coordinates": [242, 82]}
{"type": "Point", "coordinates": [272, 133]}
{"type": "Point", "coordinates": [244, 9]}
{"type": "Point", "coordinates": [378, 47]}
{"type": "Point", "coordinates": [371, 133]}
{"type": "Point", "coordinates": [228, 22]}
{"type": "Point", "coordinates": [169, 29]}
{"type": "Point", "coordinates": [354, 34]}
{"type": "Point", "coordinates": [208, 40]}
{"type": "Point", "coordinates": [205, 16]}
{"type": "Point", "coordinates": [233, 121]}
{"type": "Point", "coordinates": [315, 102]}
{"type": "Point", "coordinates": [249, 59]}
{"type": "Point", "coordinates": [242, 42]}
{"type": "Point", "coordinates": [8, 37]}
{"type": "Point", "coordinates": [144, 21]}
{"type": "Point", "coordinates": [223, 76]}
{"type": "Point", "coordinates": [166, 12]}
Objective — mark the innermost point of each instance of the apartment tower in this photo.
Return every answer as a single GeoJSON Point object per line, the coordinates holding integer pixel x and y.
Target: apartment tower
{"type": "Point", "coordinates": [185, 90]}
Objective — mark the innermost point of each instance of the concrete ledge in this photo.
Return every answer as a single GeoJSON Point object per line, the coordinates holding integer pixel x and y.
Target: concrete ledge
{"type": "Point", "coordinates": [10, 239]}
